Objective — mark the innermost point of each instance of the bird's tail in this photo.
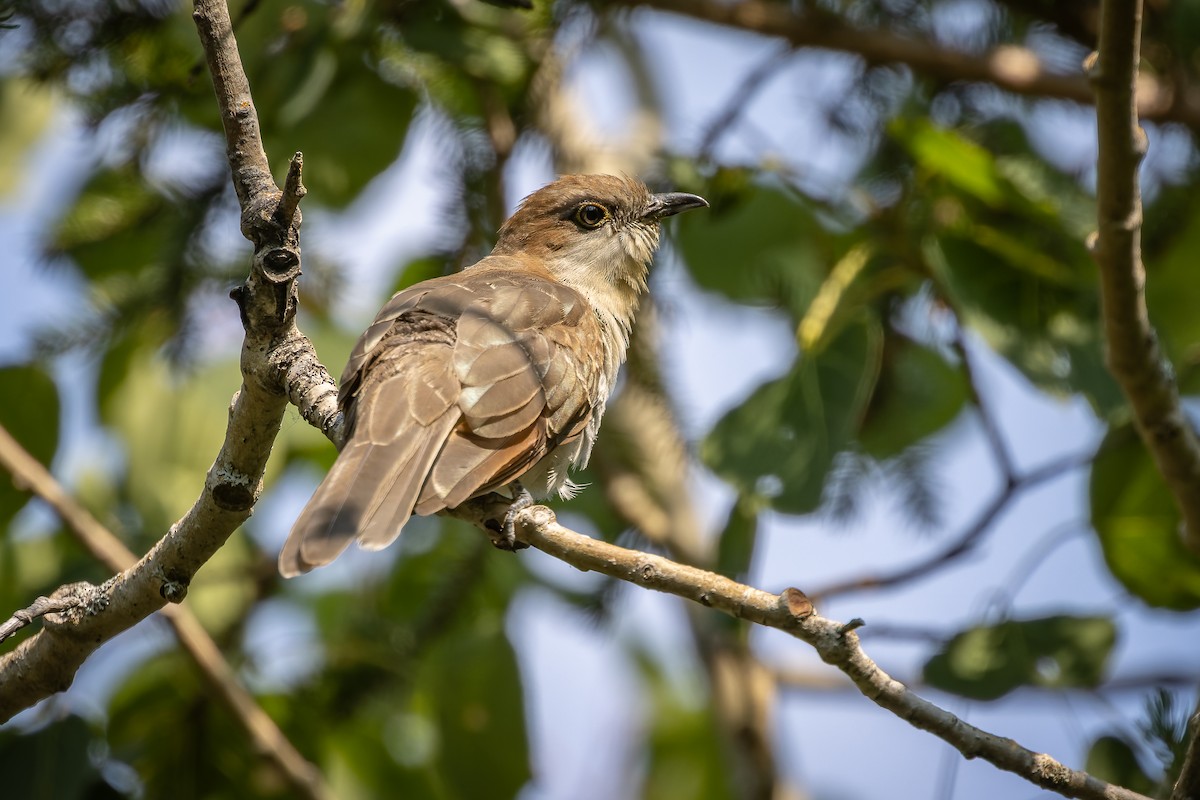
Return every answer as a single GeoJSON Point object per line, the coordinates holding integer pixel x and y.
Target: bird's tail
{"type": "Point", "coordinates": [368, 495]}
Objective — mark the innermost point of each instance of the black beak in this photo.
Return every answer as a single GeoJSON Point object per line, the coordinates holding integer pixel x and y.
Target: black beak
{"type": "Point", "coordinates": [671, 203]}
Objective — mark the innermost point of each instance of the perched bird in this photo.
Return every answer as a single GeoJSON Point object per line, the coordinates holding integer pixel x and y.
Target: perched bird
{"type": "Point", "coordinates": [493, 379]}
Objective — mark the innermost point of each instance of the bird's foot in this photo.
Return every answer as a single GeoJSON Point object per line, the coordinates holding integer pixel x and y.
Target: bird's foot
{"type": "Point", "coordinates": [504, 532]}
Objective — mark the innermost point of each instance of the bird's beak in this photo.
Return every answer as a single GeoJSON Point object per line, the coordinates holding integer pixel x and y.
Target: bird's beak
{"type": "Point", "coordinates": [671, 203]}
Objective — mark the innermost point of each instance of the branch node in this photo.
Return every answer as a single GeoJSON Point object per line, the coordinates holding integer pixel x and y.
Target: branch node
{"type": "Point", "coordinates": [233, 490]}
{"type": "Point", "coordinates": [850, 626]}
{"type": "Point", "coordinates": [279, 264]}
{"type": "Point", "coordinates": [293, 192]}
{"type": "Point", "coordinates": [797, 603]}
{"type": "Point", "coordinates": [174, 587]}
{"type": "Point", "coordinates": [1141, 142]}
{"type": "Point", "coordinates": [38, 608]}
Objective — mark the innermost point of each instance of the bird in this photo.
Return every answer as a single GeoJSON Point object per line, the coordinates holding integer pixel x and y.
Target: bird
{"type": "Point", "coordinates": [492, 380]}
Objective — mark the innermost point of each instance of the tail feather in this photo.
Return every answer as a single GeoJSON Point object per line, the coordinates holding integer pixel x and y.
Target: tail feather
{"type": "Point", "coordinates": [368, 495]}
{"type": "Point", "coordinates": [329, 522]}
{"type": "Point", "coordinates": [393, 503]}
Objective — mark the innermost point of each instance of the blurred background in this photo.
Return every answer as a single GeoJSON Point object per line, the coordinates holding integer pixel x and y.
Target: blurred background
{"type": "Point", "coordinates": [872, 371]}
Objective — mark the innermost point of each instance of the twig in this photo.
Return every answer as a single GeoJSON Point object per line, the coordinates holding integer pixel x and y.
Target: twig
{"type": "Point", "coordinates": [1134, 356]}
{"type": "Point", "coordinates": [739, 98]}
{"type": "Point", "coordinates": [834, 642]}
{"type": "Point", "coordinates": [293, 190]}
{"type": "Point", "coordinates": [1187, 787]}
{"type": "Point", "coordinates": [39, 608]}
{"type": "Point", "coordinates": [808, 680]}
{"type": "Point", "coordinates": [991, 428]}
{"type": "Point", "coordinates": [1014, 69]}
{"type": "Point", "coordinates": [965, 541]}
{"type": "Point", "coordinates": [195, 641]}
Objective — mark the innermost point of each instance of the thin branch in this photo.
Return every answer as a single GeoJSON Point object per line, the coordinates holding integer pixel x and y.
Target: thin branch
{"type": "Point", "coordinates": [1187, 787]}
{"type": "Point", "coordinates": [1014, 69]}
{"type": "Point", "coordinates": [293, 190]}
{"type": "Point", "coordinates": [39, 608]}
{"type": "Point", "coordinates": [835, 642]}
{"type": "Point", "coordinates": [991, 428]}
{"type": "Point", "coordinates": [1134, 356]}
{"type": "Point", "coordinates": [107, 548]}
{"type": "Point", "coordinates": [965, 541]}
{"type": "Point", "coordinates": [739, 98]}
{"type": "Point", "coordinates": [808, 680]}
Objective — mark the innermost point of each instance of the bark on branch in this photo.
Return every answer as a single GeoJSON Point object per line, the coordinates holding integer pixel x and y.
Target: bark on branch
{"type": "Point", "coordinates": [1134, 356]}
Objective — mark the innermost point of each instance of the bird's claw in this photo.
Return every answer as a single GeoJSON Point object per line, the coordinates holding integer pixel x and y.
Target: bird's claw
{"type": "Point", "coordinates": [504, 534]}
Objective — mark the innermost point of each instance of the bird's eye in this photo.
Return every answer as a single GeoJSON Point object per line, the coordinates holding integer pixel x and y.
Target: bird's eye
{"type": "Point", "coordinates": [591, 215]}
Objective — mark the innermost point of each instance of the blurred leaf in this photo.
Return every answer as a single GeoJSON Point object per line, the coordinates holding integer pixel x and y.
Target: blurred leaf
{"type": "Point", "coordinates": [113, 226]}
{"type": "Point", "coordinates": [183, 744]}
{"type": "Point", "coordinates": [1008, 250]}
{"type": "Point", "coordinates": [988, 662]}
{"type": "Point", "coordinates": [918, 394]}
{"type": "Point", "coordinates": [736, 545]}
{"type": "Point", "coordinates": [171, 429]}
{"type": "Point", "coordinates": [686, 750]}
{"type": "Point", "coordinates": [30, 413]}
{"type": "Point", "coordinates": [420, 269]}
{"type": "Point", "coordinates": [26, 107]}
{"type": "Point", "coordinates": [1110, 758]}
{"type": "Point", "coordinates": [1046, 330]}
{"type": "Point", "coordinates": [51, 763]}
{"type": "Point", "coordinates": [966, 165]}
{"type": "Point", "coordinates": [762, 247]}
{"type": "Point", "coordinates": [1138, 523]}
{"type": "Point", "coordinates": [780, 443]}
{"type": "Point", "coordinates": [479, 708]}
{"type": "Point", "coordinates": [1171, 290]}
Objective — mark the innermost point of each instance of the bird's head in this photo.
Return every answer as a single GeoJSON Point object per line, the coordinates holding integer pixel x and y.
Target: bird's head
{"type": "Point", "coordinates": [595, 233]}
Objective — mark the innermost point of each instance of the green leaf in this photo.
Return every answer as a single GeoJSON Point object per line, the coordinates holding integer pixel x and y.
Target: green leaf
{"type": "Point", "coordinates": [1171, 287]}
{"type": "Point", "coordinates": [1112, 759]}
{"type": "Point", "coordinates": [30, 414]}
{"type": "Point", "coordinates": [475, 690]}
{"type": "Point", "coordinates": [687, 756]}
{"type": "Point", "coordinates": [1138, 523]}
{"type": "Point", "coordinates": [115, 225]}
{"type": "Point", "coordinates": [779, 444]}
{"type": "Point", "coordinates": [52, 763]}
{"type": "Point", "coordinates": [966, 165]}
{"type": "Point", "coordinates": [1045, 328]}
{"type": "Point", "coordinates": [761, 247]}
{"type": "Point", "coordinates": [164, 722]}
{"type": "Point", "coordinates": [917, 395]}
{"type": "Point", "coordinates": [736, 545]}
{"type": "Point", "coordinates": [988, 662]}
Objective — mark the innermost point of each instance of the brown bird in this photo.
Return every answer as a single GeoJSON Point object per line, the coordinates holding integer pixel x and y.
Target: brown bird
{"type": "Point", "coordinates": [493, 379]}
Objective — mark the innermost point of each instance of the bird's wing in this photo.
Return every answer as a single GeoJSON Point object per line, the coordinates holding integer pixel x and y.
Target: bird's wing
{"type": "Point", "coordinates": [447, 397]}
{"type": "Point", "coordinates": [526, 360]}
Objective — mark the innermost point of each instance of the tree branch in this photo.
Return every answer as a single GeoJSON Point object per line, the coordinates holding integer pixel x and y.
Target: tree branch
{"type": "Point", "coordinates": [966, 540]}
{"type": "Point", "coordinates": [836, 643]}
{"type": "Point", "coordinates": [1187, 787]}
{"type": "Point", "coordinates": [1013, 69]}
{"type": "Point", "coordinates": [1134, 356]}
{"type": "Point", "coordinates": [273, 350]}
